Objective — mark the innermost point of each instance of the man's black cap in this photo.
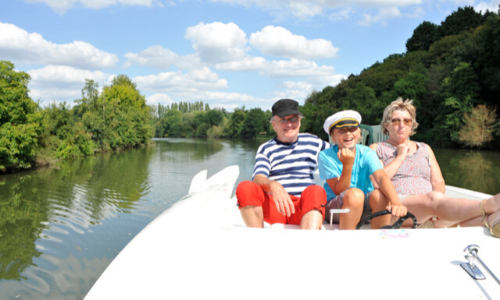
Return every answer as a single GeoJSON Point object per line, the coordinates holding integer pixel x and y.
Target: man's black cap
{"type": "Point", "coordinates": [286, 107]}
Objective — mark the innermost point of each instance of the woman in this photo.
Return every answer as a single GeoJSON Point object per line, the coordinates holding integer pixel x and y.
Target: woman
{"type": "Point", "coordinates": [347, 168]}
{"type": "Point", "coordinates": [416, 175]}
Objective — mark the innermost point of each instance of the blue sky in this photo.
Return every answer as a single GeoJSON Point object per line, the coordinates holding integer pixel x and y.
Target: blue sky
{"type": "Point", "coordinates": [228, 53]}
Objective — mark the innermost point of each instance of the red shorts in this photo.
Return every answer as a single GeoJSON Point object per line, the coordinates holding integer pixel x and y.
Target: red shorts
{"type": "Point", "coordinates": [313, 197]}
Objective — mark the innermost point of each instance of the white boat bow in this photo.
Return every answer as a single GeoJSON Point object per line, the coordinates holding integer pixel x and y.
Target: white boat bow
{"type": "Point", "coordinates": [200, 248]}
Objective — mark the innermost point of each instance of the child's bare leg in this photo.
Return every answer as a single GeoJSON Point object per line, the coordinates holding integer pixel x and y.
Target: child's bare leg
{"type": "Point", "coordinates": [378, 202]}
{"type": "Point", "coordinates": [354, 200]}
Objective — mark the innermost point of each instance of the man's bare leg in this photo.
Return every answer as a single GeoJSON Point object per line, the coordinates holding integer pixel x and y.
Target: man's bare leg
{"type": "Point", "coordinates": [312, 220]}
{"type": "Point", "coordinates": [253, 216]}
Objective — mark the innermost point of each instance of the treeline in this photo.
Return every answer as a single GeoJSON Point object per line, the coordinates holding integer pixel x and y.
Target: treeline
{"type": "Point", "coordinates": [115, 118]}
{"type": "Point", "coordinates": [198, 120]}
{"type": "Point", "coordinates": [451, 71]}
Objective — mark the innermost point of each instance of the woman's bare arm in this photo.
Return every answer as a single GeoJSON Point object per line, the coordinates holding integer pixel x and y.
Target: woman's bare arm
{"type": "Point", "coordinates": [392, 168]}
{"type": "Point", "coordinates": [437, 180]}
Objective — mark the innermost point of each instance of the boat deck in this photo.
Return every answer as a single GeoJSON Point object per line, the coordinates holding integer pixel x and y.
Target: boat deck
{"type": "Point", "coordinates": [199, 248]}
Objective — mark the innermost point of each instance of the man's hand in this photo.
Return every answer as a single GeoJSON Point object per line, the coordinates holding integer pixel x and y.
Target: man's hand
{"type": "Point", "coordinates": [282, 200]}
{"type": "Point", "coordinates": [397, 210]}
{"type": "Point", "coordinates": [346, 157]}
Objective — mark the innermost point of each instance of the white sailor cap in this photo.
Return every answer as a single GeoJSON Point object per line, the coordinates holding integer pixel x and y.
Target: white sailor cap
{"type": "Point", "coordinates": [345, 118]}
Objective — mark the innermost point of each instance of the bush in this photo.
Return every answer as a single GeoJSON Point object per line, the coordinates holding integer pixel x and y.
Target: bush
{"type": "Point", "coordinates": [478, 127]}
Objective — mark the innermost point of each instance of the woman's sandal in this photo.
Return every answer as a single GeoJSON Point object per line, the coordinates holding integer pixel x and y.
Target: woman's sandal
{"type": "Point", "coordinates": [494, 226]}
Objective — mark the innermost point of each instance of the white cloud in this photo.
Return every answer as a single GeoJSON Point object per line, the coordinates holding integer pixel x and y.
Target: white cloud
{"type": "Point", "coordinates": [342, 14]}
{"type": "Point", "coordinates": [61, 6]}
{"type": "Point", "coordinates": [418, 13]}
{"type": "Point", "coordinates": [249, 63]}
{"type": "Point", "coordinates": [19, 46]}
{"type": "Point", "coordinates": [279, 41]}
{"type": "Point", "coordinates": [162, 58]}
{"type": "Point", "coordinates": [296, 68]}
{"type": "Point", "coordinates": [65, 75]}
{"type": "Point", "coordinates": [300, 90]}
{"type": "Point", "coordinates": [299, 8]}
{"type": "Point", "coordinates": [285, 69]}
{"type": "Point", "coordinates": [177, 83]}
{"type": "Point", "coordinates": [331, 80]}
{"type": "Point", "coordinates": [384, 14]}
{"type": "Point", "coordinates": [154, 56]}
{"type": "Point", "coordinates": [298, 95]}
{"type": "Point", "coordinates": [164, 99]}
{"type": "Point", "coordinates": [217, 42]}
{"type": "Point", "coordinates": [62, 83]}
{"type": "Point", "coordinates": [491, 6]}
{"type": "Point", "coordinates": [305, 10]}
{"type": "Point", "coordinates": [314, 83]}
{"type": "Point", "coordinates": [297, 85]}
{"type": "Point", "coordinates": [310, 8]}
{"type": "Point", "coordinates": [460, 2]}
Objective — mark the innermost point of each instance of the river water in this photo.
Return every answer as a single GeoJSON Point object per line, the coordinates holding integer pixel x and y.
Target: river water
{"type": "Point", "coordinates": [60, 227]}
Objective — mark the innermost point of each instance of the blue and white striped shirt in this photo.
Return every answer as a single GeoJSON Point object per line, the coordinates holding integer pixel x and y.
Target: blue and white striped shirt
{"type": "Point", "coordinates": [290, 164]}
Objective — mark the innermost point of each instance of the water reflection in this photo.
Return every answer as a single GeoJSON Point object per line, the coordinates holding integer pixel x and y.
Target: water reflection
{"type": "Point", "coordinates": [21, 223]}
{"type": "Point", "coordinates": [474, 170]}
{"type": "Point", "coordinates": [45, 213]}
{"type": "Point", "coordinates": [188, 150]}
{"type": "Point", "coordinates": [61, 227]}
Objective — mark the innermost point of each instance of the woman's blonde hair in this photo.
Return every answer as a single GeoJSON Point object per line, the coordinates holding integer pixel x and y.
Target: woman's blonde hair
{"type": "Point", "coordinates": [399, 104]}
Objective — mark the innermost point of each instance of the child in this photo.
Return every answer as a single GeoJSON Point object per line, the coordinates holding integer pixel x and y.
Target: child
{"type": "Point", "coordinates": [347, 168]}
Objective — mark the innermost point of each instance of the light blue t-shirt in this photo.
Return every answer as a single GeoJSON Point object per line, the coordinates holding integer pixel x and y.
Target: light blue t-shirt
{"type": "Point", "coordinates": [366, 162]}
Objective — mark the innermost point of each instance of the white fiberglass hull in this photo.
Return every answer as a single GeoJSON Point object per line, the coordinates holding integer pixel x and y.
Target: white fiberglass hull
{"type": "Point", "coordinates": [200, 248]}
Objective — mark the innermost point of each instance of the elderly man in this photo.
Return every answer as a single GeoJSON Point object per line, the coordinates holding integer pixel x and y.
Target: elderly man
{"type": "Point", "coordinates": [282, 189]}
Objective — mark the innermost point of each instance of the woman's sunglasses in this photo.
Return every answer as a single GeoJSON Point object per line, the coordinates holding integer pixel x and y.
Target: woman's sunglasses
{"type": "Point", "coordinates": [407, 122]}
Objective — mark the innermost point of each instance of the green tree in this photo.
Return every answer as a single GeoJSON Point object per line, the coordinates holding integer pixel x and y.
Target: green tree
{"type": "Point", "coordinates": [214, 117]}
{"type": "Point", "coordinates": [463, 19]}
{"type": "Point", "coordinates": [187, 121]}
{"type": "Point", "coordinates": [413, 86]}
{"type": "Point", "coordinates": [201, 130]}
{"type": "Point", "coordinates": [123, 80]}
{"type": "Point", "coordinates": [20, 120]}
{"type": "Point", "coordinates": [462, 82]}
{"type": "Point", "coordinates": [199, 117]}
{"type": "Point", "coordinates": [362, 99]}
{"type": "Point", "coordinates": [215, 132]}
{"type": "Point", "coordinates": [255, 122]}
{"type": "Point", "coordinates": [173, 123]}
{"type": "Point", "coordinates": [488, 60]}
{"type": "Point", "coordinates": [235, 123]}
{"type": "Point", "coordinates": [423, 37]}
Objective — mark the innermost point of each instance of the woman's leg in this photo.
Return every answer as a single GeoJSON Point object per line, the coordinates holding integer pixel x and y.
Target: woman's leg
{"type": "Point", "coordinates": [449, 211]}
{"type": "Point", "coordinates": [353, 199]}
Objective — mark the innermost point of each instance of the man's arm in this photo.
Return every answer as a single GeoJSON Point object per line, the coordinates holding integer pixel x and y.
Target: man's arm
{"type": "Point", "coordinates": [281, 198]}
